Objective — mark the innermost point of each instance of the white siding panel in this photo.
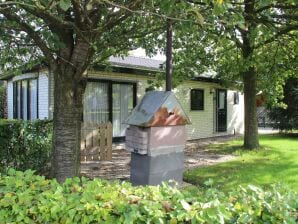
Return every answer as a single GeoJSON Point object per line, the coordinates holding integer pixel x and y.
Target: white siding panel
{"type": "Point", "coordinates": [9, 95]}
{"type": "Point", "coordinates": [43, 96]}
{"type": "Point", "coordinates": [202, 121]}
{"type": "Point", "coordinates": [51, 93]}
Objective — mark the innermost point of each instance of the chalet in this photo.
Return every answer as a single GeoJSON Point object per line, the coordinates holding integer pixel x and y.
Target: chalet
{"type": "Point", "coordinates": [112, 93]}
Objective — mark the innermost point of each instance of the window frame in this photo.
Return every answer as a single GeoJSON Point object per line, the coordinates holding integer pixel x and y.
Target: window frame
{"type": "Point", "coordinates": [202, 106]}
{"type": "Point", "coordinates": [110, 83]}
{"type": "Point", "coordinates": [18, 104]}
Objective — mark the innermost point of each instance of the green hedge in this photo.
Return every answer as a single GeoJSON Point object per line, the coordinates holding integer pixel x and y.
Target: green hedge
{"type": "Point", "coordinates": [2, 101]}
{"type": "Point", "coordinates": [26, 145]}
{"type": "Point", "coordinates": [27, 198]}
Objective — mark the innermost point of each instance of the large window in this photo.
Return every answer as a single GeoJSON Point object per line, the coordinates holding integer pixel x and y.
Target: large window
{"type": "Point", "coordinates": [197, 99]}
{"type": "Point", "coordinates": [109, 101]}
{"type": "Point", "coordinates": [25, 99]}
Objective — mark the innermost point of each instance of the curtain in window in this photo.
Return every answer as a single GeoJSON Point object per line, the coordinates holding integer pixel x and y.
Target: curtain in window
{"type": "Point", "coordinates": [96, 107]}
{"type": "Point", "coordinates": [122, 106]}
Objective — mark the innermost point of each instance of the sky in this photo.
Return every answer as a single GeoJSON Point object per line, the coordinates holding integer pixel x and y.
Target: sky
{"type": "Point", "coordinates": [141, 53]}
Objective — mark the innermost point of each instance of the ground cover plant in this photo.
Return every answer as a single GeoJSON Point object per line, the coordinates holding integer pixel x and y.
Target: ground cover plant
{"type": "Point", "coordinates": [276, 161]}
{"type": "Point", "coordinates": [28, 198]}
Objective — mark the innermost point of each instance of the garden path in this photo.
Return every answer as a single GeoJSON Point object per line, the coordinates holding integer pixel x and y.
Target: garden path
{"type": "Point", "coordinates": [196, 155]}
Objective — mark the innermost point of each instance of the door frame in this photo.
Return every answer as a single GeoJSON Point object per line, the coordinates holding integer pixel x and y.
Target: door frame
{"type": "Point", "coordinates": [217, 110]}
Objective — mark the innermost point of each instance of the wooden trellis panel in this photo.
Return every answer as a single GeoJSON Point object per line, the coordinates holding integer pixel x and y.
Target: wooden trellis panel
{"type": "Point", "coordinates": [96, 142]}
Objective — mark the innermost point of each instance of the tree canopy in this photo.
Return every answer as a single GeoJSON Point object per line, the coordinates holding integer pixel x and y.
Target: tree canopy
{"type": "Point", "coordinates": [252, 44]}
{"type": "Point", "coordinates": [70, 36]}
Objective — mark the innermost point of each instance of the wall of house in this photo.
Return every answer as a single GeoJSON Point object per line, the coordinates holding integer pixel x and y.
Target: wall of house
{"type": "Point", "coordinates": [204, 121]}
{"type": "Point", "coordinates": [9, 98]}
{"type": "Point", "coordinates": [43, 95]}
{"type": "Point", "coordinates": [235, 114]}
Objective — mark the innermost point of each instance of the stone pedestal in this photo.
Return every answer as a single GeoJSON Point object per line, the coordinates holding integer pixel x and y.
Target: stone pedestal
{"type": "Point", "coordinates": [152, 170]}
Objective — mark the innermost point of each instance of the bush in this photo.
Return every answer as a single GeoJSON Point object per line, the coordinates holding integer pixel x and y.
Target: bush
{"type": "Point", "coordinates": [26, 145]}
{"type": "Point", "coordinates": [2, 100]}
{"type": "Point", "coordinates": [27, 198]}
{"type": "Point", "coordinates": [286, 119]}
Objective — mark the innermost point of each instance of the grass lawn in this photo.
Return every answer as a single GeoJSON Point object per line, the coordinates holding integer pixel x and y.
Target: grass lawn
{"type": "Point", "coordinates": [275, 162]}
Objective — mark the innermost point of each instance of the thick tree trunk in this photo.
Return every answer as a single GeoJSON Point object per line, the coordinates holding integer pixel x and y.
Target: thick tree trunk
{"type": "Point", "coordinates": [251, 139]}
{"type": "Point", "coordinates": [68, 109]}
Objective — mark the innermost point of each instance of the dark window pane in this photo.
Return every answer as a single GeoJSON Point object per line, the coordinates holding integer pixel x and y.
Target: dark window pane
{"type": "Point", "coordinates": [236, 98]}
{"type": "Point", "coordinates": [15, 94]}
{"type": "Point", "coordinates": [19, 102]}
{"type": "Point", "coordinates": [197, 99]}
{"type": "Point", "coordinates": [24, 99]}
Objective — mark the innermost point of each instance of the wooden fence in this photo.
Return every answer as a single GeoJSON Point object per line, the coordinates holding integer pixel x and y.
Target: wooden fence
{"type": "Point", "coordinates": [96, 142]}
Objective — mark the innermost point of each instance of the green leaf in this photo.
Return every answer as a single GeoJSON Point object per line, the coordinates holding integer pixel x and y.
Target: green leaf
{"type": "Point", "coordinates": [64, 4]}
{"type": "Point", "coordinates": [185, 205]}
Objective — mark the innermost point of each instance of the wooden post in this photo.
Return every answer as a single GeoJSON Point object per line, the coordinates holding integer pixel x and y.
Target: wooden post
{"type": "Point", "coordinates": [169, 56]}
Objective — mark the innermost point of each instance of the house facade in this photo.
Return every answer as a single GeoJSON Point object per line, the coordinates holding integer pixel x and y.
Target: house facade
{"type": "Point", "coordinates": [111, 96]}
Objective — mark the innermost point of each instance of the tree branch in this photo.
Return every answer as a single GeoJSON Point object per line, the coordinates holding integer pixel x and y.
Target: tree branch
{"type": "Point", "coordinates": [78, 14]}
{"type": "Point", "coordinates": [31, 33]}
{"type": "Point", "coordinates": [277, 35]}
{"type": "Point", "coordinates": [276, 6]}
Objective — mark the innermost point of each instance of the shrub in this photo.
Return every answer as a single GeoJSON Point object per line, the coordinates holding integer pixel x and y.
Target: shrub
{"type": "Point", "coordinates": [2, 100]}
{"type": "Point", "coordinates": [286, 119]}
{"type": "Point", "coordinates": [26, 145]}
{"type": "Point", "coordinates": [27, 198]}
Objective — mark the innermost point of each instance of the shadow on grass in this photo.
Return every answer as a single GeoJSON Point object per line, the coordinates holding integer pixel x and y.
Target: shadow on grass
{"type": "Point", "coordinates": [276, 161]}
{"type": "Point", "coordinates": [233, 173]}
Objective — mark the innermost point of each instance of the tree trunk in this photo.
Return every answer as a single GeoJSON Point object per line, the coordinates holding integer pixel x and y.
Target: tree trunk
{"type": "Point", "coordinates": [251, 139]}
{"type": "Point", "coordinates": [68, 109]}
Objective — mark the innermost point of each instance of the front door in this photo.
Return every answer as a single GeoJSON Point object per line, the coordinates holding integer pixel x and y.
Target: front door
{"type": "Point", "coordinates": [221, 110]}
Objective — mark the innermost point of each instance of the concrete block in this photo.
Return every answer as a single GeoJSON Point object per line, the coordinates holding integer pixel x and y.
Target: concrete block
{"type": "Point", "coordinates": [148, 170]}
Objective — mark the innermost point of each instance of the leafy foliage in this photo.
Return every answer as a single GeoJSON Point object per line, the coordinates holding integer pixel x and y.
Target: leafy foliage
{"type": "Point", "coordinates": [72, 36]}
{"type": "Point", "coordinates": [2, 101]}
{"type": "Point", "coordinates": [287, 118]}
{"type": "Point", "coordinates": [250, 42]}
{"type": "Point", "coordinates": [269, 29]}
{"type": "Point", "coordinates": [28, 198]}
{"type": "Point", "coordinates": [26, 145]}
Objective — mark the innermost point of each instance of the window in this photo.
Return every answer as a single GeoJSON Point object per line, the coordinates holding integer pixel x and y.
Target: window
{"type": "Point", "coordinates": [25, 99]}
{"type": "Point", "coordinates": [197, 99]}
{"type": "Point", "coordinates": [236, 98]}
{"type": "Point", "coordinates": [107, 100]}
